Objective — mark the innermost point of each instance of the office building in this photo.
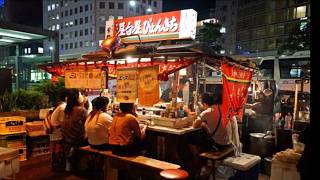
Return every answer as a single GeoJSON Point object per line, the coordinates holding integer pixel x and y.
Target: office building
{"type": "Point", "coordinates": [263, 26]}
{"type": "Point", "coordinates": [81, 23]}
{"type": "Point", "coordinates": [225, 12]}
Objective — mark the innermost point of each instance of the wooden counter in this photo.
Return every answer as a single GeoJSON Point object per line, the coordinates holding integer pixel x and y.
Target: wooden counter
{"type": "Point", "coordinates": [169, 130]}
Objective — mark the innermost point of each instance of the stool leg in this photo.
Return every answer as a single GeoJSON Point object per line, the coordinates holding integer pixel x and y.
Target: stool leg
{"type": "Point", "coordinates": [213, 170]}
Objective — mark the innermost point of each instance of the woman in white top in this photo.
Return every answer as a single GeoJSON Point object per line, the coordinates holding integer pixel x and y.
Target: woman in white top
{"type": "Point", "coordinates": [98, 123]}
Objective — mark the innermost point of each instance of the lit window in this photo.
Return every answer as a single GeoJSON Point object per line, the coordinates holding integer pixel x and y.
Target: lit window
{"type": "Point", "coordinates": [223, 30]}
{"type": "Point", "coordinates": [111, 18]}
{"type": "Point", "coordinates": [58, 26]}
{"type": "Point", "coordinates": [53, 6]}
{"type": "Point", "coordinates": [29, 50]}
{"type": "Point", "coordinates": [222, 51]}
{"type": "Point", "coordinates": [71, 23]}
{"type": "Point", "coordinates": [87, 43]}
{"type": "Point", "coordinates": [67, 24]}
{"type": "Point", "coordinates": [303, 25]}
{"type": "Point", "coordinates": [57, 17]}
{"type": "Point", "coordinates": [57, 5]}
{"type": "Point", "coordinates": [92, 43]}
{"type": "Point", "coordinates": [120, 17]}
{"type": "Point", "coordinates": [40, 50]}
{"type": "Point", "coordinates": [49, 8]}
{"type": "Point", "coordinates": [53, 28]}
{"type": "Point", "coordinates": [301, 11]}
{"type": "Point", "coordinates": [25, 50]}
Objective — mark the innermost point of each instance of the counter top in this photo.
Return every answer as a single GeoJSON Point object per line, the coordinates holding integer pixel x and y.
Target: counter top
{"type": "Point", "coordinates": [171, 130]}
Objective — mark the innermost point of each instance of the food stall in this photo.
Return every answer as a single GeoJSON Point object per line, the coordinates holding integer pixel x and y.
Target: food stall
{"type": "Point", "coordinates": [141, 51]}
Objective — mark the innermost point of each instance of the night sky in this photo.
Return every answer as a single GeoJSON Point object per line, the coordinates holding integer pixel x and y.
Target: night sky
{"type": "Point", "coordinates": [26, 12]}
{"type": "Point", "coordinates": [29, 12]}
{"type": "Point", "coordinates": [201, 6]}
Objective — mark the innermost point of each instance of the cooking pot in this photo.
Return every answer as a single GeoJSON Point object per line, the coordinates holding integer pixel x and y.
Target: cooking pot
{"type": "Point", "coordinates": [261, 144]}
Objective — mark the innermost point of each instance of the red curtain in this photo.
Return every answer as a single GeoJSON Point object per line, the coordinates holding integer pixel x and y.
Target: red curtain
{"type": "Point", "coordinates": [236, 82]}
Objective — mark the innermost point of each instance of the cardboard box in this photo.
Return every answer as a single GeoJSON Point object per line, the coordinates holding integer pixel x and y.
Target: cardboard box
{"type": "Point", "coordinates": [283, 171]}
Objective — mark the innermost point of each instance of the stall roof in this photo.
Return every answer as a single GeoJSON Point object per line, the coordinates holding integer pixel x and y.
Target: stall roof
{"type": "Point", "coordinates": [170, 58]}
{"type": "Point", "coordinates": [11, 33]}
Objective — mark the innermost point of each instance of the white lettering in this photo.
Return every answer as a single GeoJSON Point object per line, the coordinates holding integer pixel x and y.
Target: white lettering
{"type": "Point", "coordinates": [122, 30]}
{"type": "Point", "coordinates": [166, 25]}
{"type": "Point", "coordinates": [129, 29]}
{"type": "Point", "coordinates": [173, 24]}
{"type": "Point", "coordinates": [148, 26]}
{"type": "Point", "coordinates": [137, 27]}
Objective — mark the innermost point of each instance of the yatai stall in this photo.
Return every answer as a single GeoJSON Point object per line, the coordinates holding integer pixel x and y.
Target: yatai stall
{"type": "Point", "coordinates": [141, 51]}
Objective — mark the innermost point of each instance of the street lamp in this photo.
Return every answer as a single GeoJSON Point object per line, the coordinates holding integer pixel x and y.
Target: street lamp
{"type": "Point", "coordinates": [149, 10]}
{"type": "Point", "coordinates": [132, 3]}
{"type": "Point", "coordinates": [51, 53]}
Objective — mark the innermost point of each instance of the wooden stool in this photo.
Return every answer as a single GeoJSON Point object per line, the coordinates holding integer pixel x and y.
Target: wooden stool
{"type": "Point", "coordinates": [216, 155]}
{"type": "Point", "coordinates": [174, 174]}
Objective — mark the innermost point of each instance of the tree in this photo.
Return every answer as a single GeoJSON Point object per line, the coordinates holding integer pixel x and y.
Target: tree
{"type": "Point", "coordinates": [298, 40]}
{"type": "Point", "coordinates": [209, 33]}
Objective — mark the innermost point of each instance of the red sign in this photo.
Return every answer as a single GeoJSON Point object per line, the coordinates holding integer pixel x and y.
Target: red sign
{"type": "Point", "coordinates": [155, 27]}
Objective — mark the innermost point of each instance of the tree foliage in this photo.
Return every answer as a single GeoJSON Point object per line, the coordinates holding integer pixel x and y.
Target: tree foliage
{"type": "Point", "coordinates": [51, 90]}
{"type": "Point", "coordinates": [298, 40]}
{"type": "Point", "coordinates": [209, 33]}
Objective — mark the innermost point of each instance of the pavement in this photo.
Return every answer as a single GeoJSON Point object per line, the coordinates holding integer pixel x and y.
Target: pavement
{"type": "Point", "coordinates": [39, 168]}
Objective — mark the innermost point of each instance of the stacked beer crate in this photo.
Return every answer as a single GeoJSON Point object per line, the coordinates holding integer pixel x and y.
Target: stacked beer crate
{"type": "Point", "coordinates": [37, 139]}
{"type": "Point", "coordinates": [13, 134]}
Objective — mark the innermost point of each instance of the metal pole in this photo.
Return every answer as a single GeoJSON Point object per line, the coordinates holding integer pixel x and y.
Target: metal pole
{"type": "Point", "coordinates": [197, 90]}
{"type": "Point", "coordinates": [175, 89]}
{"type": "Point", "coordinates": [17, 68]}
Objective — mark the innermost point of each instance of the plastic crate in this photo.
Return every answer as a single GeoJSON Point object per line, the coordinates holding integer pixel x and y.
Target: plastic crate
{"type": "Point", "coordinates": [38, 145]}
{"type": "Point", "coordinates": [13, 140]}
{"type": "Point", "coordinates": [12, 124]}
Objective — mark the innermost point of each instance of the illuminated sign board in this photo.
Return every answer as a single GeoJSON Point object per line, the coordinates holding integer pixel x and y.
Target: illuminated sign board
{"type": "Point", "coordinates": [156, 27]}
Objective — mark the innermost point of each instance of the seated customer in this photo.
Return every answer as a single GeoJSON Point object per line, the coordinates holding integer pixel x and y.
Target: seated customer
{"type": "Point", "coordinates": [74, 117]}
{"type": "Point", "coordinates": [212, 136]}
{"type": "Point", "coordinates": [125, 135]}
{"type": "Point", "coordinates": [210, 121]}
{"type": "Point", "coordinates": [98, 123]}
